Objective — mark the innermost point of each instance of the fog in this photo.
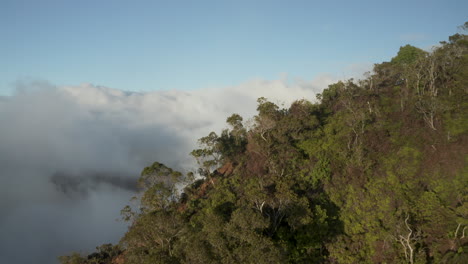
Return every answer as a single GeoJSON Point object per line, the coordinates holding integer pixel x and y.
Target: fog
{"type": "Point", "coordinates": [70, 155]}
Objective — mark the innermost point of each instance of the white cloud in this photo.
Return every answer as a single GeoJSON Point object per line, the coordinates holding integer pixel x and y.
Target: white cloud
{"type": "Point", "coordinates": [98, 138]}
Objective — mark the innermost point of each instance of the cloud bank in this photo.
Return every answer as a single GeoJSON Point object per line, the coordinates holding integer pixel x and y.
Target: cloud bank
{"type": "Point", "coordinates": [69, 156]}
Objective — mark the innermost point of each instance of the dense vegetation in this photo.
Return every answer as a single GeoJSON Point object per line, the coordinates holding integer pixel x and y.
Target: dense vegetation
{"type": "Point", "coordinates": [374, 172]}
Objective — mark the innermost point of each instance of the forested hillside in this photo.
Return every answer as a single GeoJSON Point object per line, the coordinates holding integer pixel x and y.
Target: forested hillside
{"type": "Point", "coordinates": [373, 171]}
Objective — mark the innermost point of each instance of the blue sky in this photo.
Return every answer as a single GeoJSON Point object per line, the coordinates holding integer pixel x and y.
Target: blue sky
{"type": "Point", "coordinates": [159, 45]}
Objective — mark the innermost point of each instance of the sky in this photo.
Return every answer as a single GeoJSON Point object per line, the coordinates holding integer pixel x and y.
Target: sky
{"type": "Point", "coordinates": [161, 45]}
{"type": "Point", "coordinates": [91, 92]}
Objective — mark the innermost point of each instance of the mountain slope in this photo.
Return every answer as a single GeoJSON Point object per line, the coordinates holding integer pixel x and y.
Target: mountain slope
{"type": "Point", "coordinates": [374, 172]}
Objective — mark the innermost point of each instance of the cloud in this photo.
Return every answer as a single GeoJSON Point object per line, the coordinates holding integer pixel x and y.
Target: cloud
{"type": "Point", "coordinates": [69, 156]}
{"type": "Point", "coordinates": [81, 184]}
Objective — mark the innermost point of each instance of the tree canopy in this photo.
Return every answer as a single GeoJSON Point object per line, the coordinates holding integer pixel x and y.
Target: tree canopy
{"type": "Point", "coordinates": [373, 171]}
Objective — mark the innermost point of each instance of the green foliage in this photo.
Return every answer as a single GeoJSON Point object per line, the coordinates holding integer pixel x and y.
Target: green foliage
{"type": "Point", "coordinates": [375, 172]}
{"type": "Point", "coordinates": [104, 255]}
{"type": "Point", "coordinates": [408, 55]}
{"type": "Point", "coordinates": [74, 258]}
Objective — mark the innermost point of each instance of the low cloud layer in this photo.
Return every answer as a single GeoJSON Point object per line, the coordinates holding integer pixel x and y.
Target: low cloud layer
{"type": "Point", "coordinates": [70, 156]}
